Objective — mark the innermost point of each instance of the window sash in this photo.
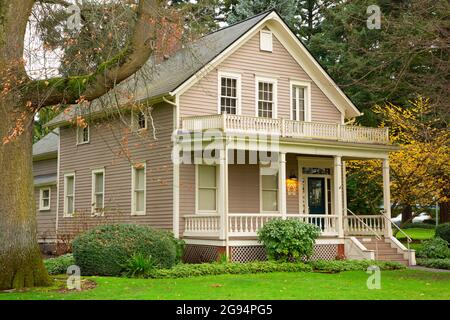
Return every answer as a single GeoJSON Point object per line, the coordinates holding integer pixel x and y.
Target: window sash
{"type": "Point", "coordinates": [83, 135]}
{"type": "Point", "coordinates": [298, 103]}
{"type": "Point", "coordinates": [266, 99]}
{"type": "Point", "coordinates": [44, 200]}
{"type": "Point", "coordinates": [206, 190]}
{"type": "Point", "coordinates": [139, 190]}
{"type": "Point", "coordinates": [269, 192]}
{"type": "Point", "coordinates": [228, 95]}
{"type": "Point", "coordinates": [98, 185]}
{"type": "Point", "coordinates": [69, 189]}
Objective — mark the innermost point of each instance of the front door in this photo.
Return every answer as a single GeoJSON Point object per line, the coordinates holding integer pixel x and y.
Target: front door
{"type": "Point", "coordinates": [316, 195]}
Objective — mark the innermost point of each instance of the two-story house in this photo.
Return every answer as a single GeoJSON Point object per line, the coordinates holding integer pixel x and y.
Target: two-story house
{"type": "Point", "coordinates": [237, 128]}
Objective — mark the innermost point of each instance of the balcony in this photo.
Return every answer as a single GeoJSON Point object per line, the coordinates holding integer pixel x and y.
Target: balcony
{"type": "Point", "coordinates": [237, 124]}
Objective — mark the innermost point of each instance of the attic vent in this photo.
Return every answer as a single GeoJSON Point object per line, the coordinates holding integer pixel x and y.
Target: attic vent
{"type": "Point", "coordinates": [265, 40]}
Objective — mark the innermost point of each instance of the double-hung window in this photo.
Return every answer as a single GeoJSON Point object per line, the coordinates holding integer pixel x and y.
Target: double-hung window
{"type": "Point", "coordinates": [229, 93]}
{"type": "Point", "coordinates": [98, 191]}
{"type": "Point", "coordinates": [300, 101]}
{"type": "Point", "coordinates": [206, 188]}
{"type": "Point", "coordinates": [44, 198]}
{"type": "Point", "coordinates": [138, 189]}
{"type": "Point", "coordinates": [266, 98]}
{"type": "Point", "coordinates": [82, 135]}
{"type": "Point", "coordinates": [269, 190]}
{"type": "Point", "coordinates": [69, 194]}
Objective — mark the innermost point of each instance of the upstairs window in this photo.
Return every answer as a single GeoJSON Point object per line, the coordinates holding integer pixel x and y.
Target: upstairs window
{"type": "Point", "coordinates": [44, 199]}
{"type": "Point", "coordinates": [69, 194]}
{"type": "Point", "coordinates": [82, 135]}
{"type": "Point", "coordinates": [138, 189]}
{"type": "Point", "coordinates": [141, 120]}
{"type": "Point", "coordinates": [265, 40]}
{"type": "Point", "coordinates": [266, 98]}
{"type": "Point", "coordinates": [228, 95]}
{"type": "Point", "coordinates": [298, 103]}
{"type": "Point", "coordinates": [98, 191]}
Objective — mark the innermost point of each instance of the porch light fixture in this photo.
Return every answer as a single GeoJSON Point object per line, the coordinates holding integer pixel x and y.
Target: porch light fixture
{"type": "Point", "coordinates": [292, 184]}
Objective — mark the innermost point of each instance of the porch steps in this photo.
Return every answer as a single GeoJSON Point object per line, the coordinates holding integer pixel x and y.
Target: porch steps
{"type": "Point", "coordinates": [383, 249]}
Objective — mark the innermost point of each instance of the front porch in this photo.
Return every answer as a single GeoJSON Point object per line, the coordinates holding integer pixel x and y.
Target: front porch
{"type": "Point", "coordinates": [309, 188]}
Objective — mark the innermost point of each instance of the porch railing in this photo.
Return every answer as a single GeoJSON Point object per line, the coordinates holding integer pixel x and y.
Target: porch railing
{"type": "Point", "coordinates": [201, 225]}
{"type": "Point", "coordinates": [249, 224]}
{"type": "Point", "coordinates": [364, 224]}
{"type": "Point", "coordinates": [286, 128]}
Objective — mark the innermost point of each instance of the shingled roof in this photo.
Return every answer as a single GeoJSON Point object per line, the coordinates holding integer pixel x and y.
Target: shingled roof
{"type": "Point", "coordinates": [47, 146]}
{"type": "Point", "coordinates": [158, 80]}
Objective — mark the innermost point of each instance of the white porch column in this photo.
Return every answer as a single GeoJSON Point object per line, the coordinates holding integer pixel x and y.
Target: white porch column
{"type": "Point", "coordinates": [282, 183]}
{"type": "Point", "coordinates": [344, 188]}
{"type": "Point", "coordinates": [387, 196]}
{"type": "Point", "coordinates": [223, 192]}
{"type": "Point", "coordinates": [337, 183]}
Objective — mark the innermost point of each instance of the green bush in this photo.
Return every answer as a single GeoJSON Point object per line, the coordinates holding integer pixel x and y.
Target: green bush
{"type": "Point", "coordinates": [434, 263]}
{"type": "Point", "coordinates": [352, 265]}
{"type": "Point", "coordinates": [59, 264]}
{"type": "Point", "coordinates": [105, 250]}
{"type": "Point", "coordinates": [179, 249]}
{"type": "Point", "coordinates": [420, 225]}
{"type": "Point", "coordinates": [289, 239]}
{"type": "Point", "coordinates": [443, 231]}
{"type": "Point", "coordinates": [139, 266]}
{"type": "Point", "coordinates": [436, 248]}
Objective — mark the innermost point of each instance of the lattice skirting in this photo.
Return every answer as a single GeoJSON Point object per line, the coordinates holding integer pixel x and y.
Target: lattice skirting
{"type": "Point", "coordinates": [205, 253]}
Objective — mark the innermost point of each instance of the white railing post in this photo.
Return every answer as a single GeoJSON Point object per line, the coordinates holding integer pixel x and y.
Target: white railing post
{"type": "Point", "coordinates": [282, 183]}
{"type": "Point", "coordinates": [337, 183]}
{"type": "Point", "coordinates": [387, 195]}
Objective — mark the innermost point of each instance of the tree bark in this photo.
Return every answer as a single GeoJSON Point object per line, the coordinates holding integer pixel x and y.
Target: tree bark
{"type": "Point", "coordinates": [444, 212]}
{"type": "Point", "coordinates": [406, 214]}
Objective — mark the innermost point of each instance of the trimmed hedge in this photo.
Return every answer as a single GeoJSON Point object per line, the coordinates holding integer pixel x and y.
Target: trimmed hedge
{"type": "Point", "coordinates": [435, 263]}
{"type": "Point", "coordinates": [353, 265]}
{"type": "Point", "coordinates": [420, 225]}
{"type": "Point", "coordinates": [209, 269]}
{"type": "Point", "coordinates": [443, 231]}
{"type": "Point", "coordinates": [105, 250]}
{"type": "Point", "coordinates": [59, 264]}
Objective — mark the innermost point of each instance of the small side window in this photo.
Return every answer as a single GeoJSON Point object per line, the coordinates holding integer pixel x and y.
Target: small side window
{"type": "Point", "coordinates": [82, 135]}
{"type": "Point", "coordinates": [44, 199]}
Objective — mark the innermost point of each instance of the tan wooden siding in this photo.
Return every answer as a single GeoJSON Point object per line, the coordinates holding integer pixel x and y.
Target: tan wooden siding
{"type": "Point", "coordinates": [243, 188]}
{"type": "Point", "coordinates": [249, 61]}
{"type": "Point", "coordinates": [111, 148]}
{"type": "Point", "coordinates": [187, 192]}
{"type": "Point", "coordinates": [44, 167]}
{"type": "Point", "coordinates": [46, 219]}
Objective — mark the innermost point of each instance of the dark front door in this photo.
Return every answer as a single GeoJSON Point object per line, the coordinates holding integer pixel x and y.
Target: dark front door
{"type": "Point", "coordinates": [316, 195]}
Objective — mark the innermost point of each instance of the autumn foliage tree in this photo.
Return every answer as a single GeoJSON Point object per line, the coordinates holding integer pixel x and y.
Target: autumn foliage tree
{"type": "Point", "coordinates": [420, 170]}
{"type": "Point", "coordinates": [22, 96]}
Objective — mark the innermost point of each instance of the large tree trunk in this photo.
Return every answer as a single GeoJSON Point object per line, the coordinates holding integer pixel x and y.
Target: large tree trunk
{"type": "Point", "coordinates": [406, 213]}
{"type": "Point", "coordinates": [20, 259]}
{"type": "Point", "coordinates": [444, 212]}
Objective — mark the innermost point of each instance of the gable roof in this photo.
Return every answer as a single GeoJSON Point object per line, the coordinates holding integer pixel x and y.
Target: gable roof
{"type": "Point", "coordinates": [47, 146]}
{"type": "Point", "coordinates": [188, 65]}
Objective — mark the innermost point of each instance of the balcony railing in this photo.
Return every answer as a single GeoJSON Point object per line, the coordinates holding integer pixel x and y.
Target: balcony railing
{"type": "Point", "coordinates": [286, 128]}
{"type": "Point", "coordinates": [364, 224]}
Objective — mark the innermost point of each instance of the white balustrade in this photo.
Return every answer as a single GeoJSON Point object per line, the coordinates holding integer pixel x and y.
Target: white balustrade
{"type": "Point", "coordinates": [287, 128]}
{"type": "Point", "coordinates": [201, 225]}
{"type": "Point", "coordinates": [364, 224]}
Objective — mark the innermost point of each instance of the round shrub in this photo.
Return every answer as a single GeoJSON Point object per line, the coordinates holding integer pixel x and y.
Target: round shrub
{"type": "Point", "coordinates": [106, 250]}
{"type": "Point", "coordinates": [59, 264]}
{"type": "Point", "coordinates": [443, 231]}
{"type": "Point", "coordinates": [289, 239]}
{"type": "Point", "coordinates": [436, 248]}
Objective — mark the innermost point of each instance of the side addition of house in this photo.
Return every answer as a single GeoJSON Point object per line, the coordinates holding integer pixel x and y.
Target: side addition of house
{"type": "Point", "coordinates": [240, 127]}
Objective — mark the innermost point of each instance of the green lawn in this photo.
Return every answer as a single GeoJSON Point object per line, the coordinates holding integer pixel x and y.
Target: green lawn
{"type": "Point", "coordinates": [417, 234]}
{"type": "Point", "coordinates": [399, 284]}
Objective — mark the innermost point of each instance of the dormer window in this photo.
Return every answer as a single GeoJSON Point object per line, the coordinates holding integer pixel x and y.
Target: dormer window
{"type": "Point", "coordinates": [265, 40]}
{"type": "Point", "coordinates": [139, 120]}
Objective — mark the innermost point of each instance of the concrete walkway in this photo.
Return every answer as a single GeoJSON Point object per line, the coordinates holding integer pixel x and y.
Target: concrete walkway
{"type": "Point", "coordinates": [428, 269]}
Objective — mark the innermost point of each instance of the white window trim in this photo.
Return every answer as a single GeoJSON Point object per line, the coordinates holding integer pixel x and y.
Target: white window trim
{"type": "Point", "coordinates": [93, 197]}
{"type": "Point", "coordinates": [41, 192]}
{"type": "Point", "coordinates": [307, 86]}
{"type": "Point", "coordinates": [261, 197]}
{"type": "Point", "coordinates": [135, 120]}
{"type": "Point", "coordinates": [261, 35]}
{"type": "Point", "coordinates": [274, 81]}
{"type": "Point", "coordinates": [197, 210]}
{"type": "Point", "coordinates": [65, 214]}
{"type": "Point", "coordinates": [237, 76]}
{"type": "Point", "coordinates": [78, 135]}
{"type": "Point", "coordinates": [133, 177]}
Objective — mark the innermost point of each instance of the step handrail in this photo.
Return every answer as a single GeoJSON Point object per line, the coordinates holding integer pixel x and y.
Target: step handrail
{"type": "Point", "coordinates": [377, 236]}
{"type": "Point", "coordinates": [408, 238]}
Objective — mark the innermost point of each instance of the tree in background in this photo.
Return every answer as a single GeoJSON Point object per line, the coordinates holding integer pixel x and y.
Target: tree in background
{"type": "Point", "coordinates": [407, 57]}
{"type": "Point", "coordinates": [420, 170]}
